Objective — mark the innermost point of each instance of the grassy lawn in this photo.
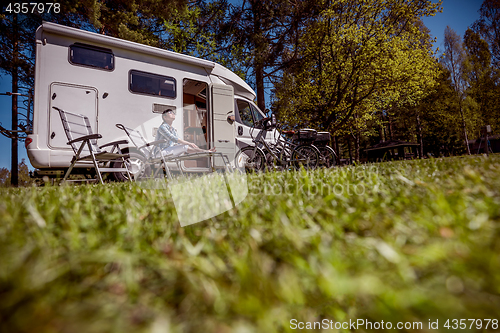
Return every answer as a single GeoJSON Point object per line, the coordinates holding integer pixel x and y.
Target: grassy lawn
{"type": "Point", "coordinates": [407, 241]}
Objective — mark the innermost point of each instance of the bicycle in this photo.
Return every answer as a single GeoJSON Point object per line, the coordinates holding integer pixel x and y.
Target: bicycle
{"type": "Point", "coordinates": [280, 155]}
{"type": "Point", "coordinates": [328, 155]}
{"type": "Point", "coordinates": [320, 140]}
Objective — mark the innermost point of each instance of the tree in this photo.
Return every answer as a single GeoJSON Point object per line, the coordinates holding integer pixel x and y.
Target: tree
{"type": "Point", "coordinates": [453, 59]}
{"type": "Point", "coordinates": [140, 21]}
{"type": "Point", "coordinates": [441, 131]}
{"type": "Point", "coordinates": [480, 77]}
{"type": "Point", "coordinates": [200, 29]}
{"type": "Point", "coordinates": [433, 121]}
{"type": "Point", "coordinates": [17, 51]}
{"type": "Point", "coordinates": [24, 175]}
{"type": "Point", "coordinates": [359, 57]}
{"type": "Point", "coordinates": [266, 36]}
{"type": "Point", "coordinates": [489, 26]}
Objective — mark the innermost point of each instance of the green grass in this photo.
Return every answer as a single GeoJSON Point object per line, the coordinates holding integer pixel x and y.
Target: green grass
{"type": "Point", "coordinates": [402, 241]}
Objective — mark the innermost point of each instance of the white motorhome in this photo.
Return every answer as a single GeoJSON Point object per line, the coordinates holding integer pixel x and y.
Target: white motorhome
{"type": "Point", "coordinates": [117, 81]}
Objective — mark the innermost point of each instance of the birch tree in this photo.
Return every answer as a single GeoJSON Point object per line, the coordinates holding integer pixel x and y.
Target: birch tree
{"type": "Point", "coordinates": [453, 60]}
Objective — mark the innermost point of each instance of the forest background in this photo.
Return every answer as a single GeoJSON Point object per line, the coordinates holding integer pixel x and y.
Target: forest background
{"type": "Point", "coordinates": [365, 70]}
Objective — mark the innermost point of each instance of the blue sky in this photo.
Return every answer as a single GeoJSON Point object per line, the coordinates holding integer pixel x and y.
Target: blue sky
{"type": "Point", "coordinates": [458, 14]}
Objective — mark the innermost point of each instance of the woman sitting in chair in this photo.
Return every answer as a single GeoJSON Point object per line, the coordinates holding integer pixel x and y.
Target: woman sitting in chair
{"type": "Point", "coordinates": [174, 145]}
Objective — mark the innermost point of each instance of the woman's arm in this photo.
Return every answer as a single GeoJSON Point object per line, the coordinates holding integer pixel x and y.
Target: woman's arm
{"type": "Point", "coordinates": [165, 133]}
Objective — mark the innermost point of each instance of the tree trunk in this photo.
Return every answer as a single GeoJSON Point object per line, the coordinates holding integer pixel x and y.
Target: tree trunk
{"type": "Point", "coordinates": [259, 80]}
{"type": "Point", "coordinates": [419, 137]}
{"type": "Point", "coordinates": [357, 145]}
{"type": "Point", "coordinates": [337, 148]}
{"type": "Point", "coordinates": [261, 48]}
{"type": "Point", "coordinates": [384, 129]}
{"type": "Point", "coordinates": [356, 136]}
{"type": "Point", "coordinates": [390, 127]}
{"type": "Point", "coordinates": [381, 134]}
{"type": "Point", "coordinates": [350, 150]}
{"type": "Point", "coordinates": [466, 138]}
{"type": "Point", "coordinates": [14, 173]}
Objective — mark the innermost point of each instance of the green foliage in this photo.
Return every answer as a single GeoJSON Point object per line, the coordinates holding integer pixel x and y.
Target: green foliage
{"type": "Point", "coordinates": [137, 21]}
{"type": "Point", "coordinates": [489, 26]}
{"type": "Point", "coordinates": [473, 80]}
{"type": "Point", "coordinates": [441, 130]}
{"type": "Point", "coordinates": [17, 46]}
{"type": "Point", "coordinates": [359, 57]}
{"type": "Point", "coordinates": [482, 88]}
{"type": "Point", "coordinates": [465, 98]}
{"type": "Point", "coordinates": [405, 241]}
{"type": "Point", "coordinates": [199, 30]}
{"type": "Point", "coordinates": [23, 174]}
{"type": "Point", "coordinates": [184, 30]}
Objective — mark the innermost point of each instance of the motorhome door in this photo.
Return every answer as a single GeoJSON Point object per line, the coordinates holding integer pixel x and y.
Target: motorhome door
{"type": "Point", "coordinates": [74, 99]}
{"type": "Point", "coordinates": [223, 128]}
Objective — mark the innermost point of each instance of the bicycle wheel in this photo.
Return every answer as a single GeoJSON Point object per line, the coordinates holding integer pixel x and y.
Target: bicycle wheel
{"type": "Point", "coordinates": [251, 159]}
{"type": "Point", "coordinates": [328, 157]}
{"type": "Point", "coordinates": [306, 156]}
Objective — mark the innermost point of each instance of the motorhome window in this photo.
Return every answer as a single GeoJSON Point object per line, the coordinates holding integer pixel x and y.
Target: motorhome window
{"type": "Point", "coordinates": [152, 84]}
{"type": "Point", "coordinates": [245, 112]}
{"type": "Point", "coordinates": [90, 56]}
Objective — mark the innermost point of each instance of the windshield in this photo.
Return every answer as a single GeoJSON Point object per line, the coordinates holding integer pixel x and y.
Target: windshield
{"type": "Point", "coordinates": [256, 114]}
{"type": "Point", "coordinates": [248, 112]}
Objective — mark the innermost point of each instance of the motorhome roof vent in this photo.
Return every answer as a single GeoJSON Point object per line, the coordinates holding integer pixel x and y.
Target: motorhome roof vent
{"type": "Point", "coordinates": [160, 108]}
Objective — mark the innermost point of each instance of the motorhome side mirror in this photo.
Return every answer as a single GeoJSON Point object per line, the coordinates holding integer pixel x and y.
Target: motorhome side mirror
{"type": "Point", "coordinates": [273, 120]}
{"type": "Point", "coordinates": [230, 119]}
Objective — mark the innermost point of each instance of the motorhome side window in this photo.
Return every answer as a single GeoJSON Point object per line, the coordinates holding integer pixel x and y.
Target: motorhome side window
{"type": "Point", "coordinates": [91, 56]}
{"type": "Point", "coordinates": [256, 114]}
{"type": "Point", "coordinates": [245, 112]}
{"type": "Point", "coordinates": [152, 84]}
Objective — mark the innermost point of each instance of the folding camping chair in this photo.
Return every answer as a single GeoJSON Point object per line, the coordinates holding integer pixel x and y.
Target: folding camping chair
{"type": "Point", "coordinates": [147, 150]}
{"type": "Point", "coordinates": [185, 157]}
{"type": "Point", "coordinates": [77, 128]}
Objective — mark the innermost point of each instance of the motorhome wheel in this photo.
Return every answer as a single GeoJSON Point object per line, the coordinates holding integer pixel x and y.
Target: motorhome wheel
{"type": "Point", "coordinates": [137, 167]}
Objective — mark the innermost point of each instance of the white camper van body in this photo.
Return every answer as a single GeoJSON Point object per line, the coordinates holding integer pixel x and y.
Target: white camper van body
{"type": "Point", "coordinates": [116, 91]}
